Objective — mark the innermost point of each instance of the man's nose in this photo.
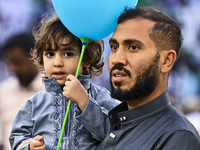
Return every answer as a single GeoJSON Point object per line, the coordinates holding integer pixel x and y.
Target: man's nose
{"type": "Point", "coordinates": [118, 57]}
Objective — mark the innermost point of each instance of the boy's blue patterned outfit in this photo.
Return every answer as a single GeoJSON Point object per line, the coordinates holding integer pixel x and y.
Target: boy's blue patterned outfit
{"type": "Point", "coordinates": [44, 113]}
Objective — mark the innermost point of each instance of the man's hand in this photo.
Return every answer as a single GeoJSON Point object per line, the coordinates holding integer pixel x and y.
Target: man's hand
{"type": "Point", "coordinates": [37, 143]}
{"type": "Point", "coordinates": [74, 90]}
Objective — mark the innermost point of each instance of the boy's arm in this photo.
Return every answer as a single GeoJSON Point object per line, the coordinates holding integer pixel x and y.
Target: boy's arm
{"type": "Point", "coordinates": [95, 115]}
{"type": "Point", "coordinates": [93, 112]}
{"type": "Point", "coordinates": [21, 129]}
{"type": "Point", "coordinates": [94, 119]}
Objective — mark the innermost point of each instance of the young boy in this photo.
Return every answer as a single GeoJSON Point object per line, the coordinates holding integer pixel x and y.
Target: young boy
{"type": "Point", "coordinates": [38, 124]}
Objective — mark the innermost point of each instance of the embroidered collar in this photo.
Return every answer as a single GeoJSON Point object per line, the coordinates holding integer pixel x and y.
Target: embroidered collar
{"type": "Point", "coordinates": [51, 85]}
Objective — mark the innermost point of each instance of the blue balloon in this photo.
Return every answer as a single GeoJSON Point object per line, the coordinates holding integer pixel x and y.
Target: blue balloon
{"type": "Point", "coordinates": [93, 19]}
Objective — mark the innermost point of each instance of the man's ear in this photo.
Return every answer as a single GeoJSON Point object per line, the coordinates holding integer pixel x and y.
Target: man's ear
{"type": "Point", "coordinates": [168, 57]}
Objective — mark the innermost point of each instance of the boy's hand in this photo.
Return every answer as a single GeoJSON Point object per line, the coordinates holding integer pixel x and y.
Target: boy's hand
{"type": "Point", "coordinates": [74, 90]}
{"type": "Point", "coordinates": [37, 143]}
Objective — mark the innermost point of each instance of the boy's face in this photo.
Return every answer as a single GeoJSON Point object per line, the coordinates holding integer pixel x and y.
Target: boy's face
{"type": "Point", "coordinates": [61, 62]}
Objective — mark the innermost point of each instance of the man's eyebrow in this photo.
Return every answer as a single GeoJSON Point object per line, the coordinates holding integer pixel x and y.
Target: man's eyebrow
{"type": "Point", "coordinates": [128, 41]}
{"type": "Point", "coordinates": [113, 41]}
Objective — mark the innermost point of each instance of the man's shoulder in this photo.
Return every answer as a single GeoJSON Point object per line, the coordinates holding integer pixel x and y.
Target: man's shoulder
{"type": "Point", "coordinates": [177, 120]}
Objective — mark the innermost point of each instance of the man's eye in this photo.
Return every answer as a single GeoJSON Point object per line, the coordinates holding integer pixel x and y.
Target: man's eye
{"type": "Point", "coordinates": [133, 47]}
{"type": "Point", "coordinates": [68, 54]}
{"type": "Point", "coordinates": [114, 47]}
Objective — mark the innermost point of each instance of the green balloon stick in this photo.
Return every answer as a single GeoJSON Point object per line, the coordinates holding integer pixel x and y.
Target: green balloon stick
{"type": "Point", "coordinates": [84, 41]}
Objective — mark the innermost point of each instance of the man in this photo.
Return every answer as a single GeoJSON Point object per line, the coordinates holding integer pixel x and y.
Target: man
{"type": "Point", "coordinates": [19, 87]}
{"type": "Point", "coordinates": [144, 47]}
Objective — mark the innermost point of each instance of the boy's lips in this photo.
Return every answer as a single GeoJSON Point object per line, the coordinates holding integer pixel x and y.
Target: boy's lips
{"type": "Point", "coordinates": [59, 74]}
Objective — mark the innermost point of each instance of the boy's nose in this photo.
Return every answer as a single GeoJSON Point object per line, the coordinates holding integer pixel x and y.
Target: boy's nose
{"type": "Point", "coordinates": [58, 62]}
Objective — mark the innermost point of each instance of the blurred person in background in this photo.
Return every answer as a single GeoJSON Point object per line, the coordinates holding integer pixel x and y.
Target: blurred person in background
{"type": "Point", "coordinates": [21, 85]}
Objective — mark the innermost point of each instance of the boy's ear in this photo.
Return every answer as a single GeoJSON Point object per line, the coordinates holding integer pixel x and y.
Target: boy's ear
{"type": "Point", "coordinates": [168, 57]}
{"type": "Point", "coordinates": [86, 65]}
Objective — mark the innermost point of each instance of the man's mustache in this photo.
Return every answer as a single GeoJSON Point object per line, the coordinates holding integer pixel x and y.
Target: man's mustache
{"type": "Point", "coordinates": [121, 68]}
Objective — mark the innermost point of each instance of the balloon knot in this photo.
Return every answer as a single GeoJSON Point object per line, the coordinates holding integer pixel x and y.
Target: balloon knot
{"type": "Point", "coordinates": [84, 42]}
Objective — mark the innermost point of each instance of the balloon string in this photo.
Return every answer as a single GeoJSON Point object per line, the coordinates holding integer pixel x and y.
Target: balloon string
{"type": "Point", "coordinates": [69, 102]}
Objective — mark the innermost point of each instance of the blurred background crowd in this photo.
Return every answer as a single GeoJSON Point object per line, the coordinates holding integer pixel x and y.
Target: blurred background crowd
{"type": "Point", "coordinates": [20, 16]}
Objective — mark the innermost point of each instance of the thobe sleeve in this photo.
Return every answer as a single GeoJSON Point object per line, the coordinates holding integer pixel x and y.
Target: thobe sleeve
{"type": "Point", "coordinates": [95, 116]}
{"type": "Point", "coordinates": [20, 135]}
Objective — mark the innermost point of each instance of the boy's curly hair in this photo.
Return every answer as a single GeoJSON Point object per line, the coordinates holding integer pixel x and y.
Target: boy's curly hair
{"type": "Point", "coordinates": [52, 31]}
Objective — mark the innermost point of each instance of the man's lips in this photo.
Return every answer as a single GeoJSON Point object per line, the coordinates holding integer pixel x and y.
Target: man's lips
{"type": "Point", "coordinates": [118, 75]}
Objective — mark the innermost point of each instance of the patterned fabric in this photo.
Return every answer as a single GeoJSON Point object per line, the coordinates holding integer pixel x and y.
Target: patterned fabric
{"type": "Point", "coordinates": [44, 113]}
{"type": "Point", "coordinates": [60, 108]}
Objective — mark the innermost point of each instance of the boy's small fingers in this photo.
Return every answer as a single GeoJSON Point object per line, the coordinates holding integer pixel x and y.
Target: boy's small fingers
{"type": "Point", "coordinates": [70, 77]}
{"type": "Point", "coordinates": [67, 83]}
{"type": "Point", "coordinates": [65, 88]}
{"type": "Point", "coordinates": [39, 138]}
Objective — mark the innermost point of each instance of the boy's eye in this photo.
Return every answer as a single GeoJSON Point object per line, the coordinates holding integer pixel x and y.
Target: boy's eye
{"type": "Point", "coordinates": [49, 54]}
{"type": "Point", "coordinates": [68, 54]}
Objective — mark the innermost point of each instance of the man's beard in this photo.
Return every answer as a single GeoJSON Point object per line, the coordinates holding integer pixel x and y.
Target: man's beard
{"type": "Point", "coordinates": [146, 81]}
